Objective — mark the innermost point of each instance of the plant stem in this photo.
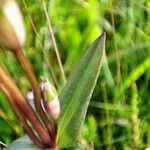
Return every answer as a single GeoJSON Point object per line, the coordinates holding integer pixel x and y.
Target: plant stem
{"type": "Point", "coordinates": [54, 42]}
{"type": "Point", "coordinates": [21, 118]}
{"type": "Point", "coordinates": [36, 89]}
{"type": "Point", "coordinates": [42, 47]}
{"type": "Point", "coordinates": [15, 93]}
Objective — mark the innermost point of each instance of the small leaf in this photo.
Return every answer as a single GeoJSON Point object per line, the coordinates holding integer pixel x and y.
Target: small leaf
{"type": "Point", "coordinates": [23, 143]}
{"type": "Point", "coordinates": [76, 96]}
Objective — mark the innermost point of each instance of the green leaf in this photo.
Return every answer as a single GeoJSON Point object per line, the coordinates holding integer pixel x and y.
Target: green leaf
{"type": "Point", "coordinates": [23, 143]}
{"type": "Point", "coordinates": [76, 96]}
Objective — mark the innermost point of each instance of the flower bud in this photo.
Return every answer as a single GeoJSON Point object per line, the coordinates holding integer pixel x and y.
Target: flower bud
{"type": "Point", "coordinates": [51, 101]}
{"type": "Point", "coordinates": [12, 31]}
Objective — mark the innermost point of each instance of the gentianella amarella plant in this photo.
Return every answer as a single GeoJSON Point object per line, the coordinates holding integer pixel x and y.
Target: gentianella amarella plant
{"type": "Point", "coordinates": [56, 121]}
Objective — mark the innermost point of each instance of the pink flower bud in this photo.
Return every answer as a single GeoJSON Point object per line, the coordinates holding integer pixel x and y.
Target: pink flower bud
{"type": "Point", "coordinates": [53, 108]}
{"type": "Point", "coordinates": [51, 101]}
{"type": "Point", "coordinates": [50, 104]}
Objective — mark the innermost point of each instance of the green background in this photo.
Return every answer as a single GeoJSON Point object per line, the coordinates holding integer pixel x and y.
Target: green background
{"type": "Point", "coordinates": [118, 115]}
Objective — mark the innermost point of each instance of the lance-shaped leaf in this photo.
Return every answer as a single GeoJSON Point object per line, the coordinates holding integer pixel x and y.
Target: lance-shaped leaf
{"type": "Point", "coordinates": [76, 96]}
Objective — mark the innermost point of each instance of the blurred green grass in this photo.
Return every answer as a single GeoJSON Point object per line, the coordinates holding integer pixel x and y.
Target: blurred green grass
{"type": "Point", "coordinates": [110, 122]}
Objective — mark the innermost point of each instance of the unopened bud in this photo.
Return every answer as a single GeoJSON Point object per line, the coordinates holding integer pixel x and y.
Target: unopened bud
{"type": "Point", "coordinates": [12, 31]}
{"type": "Point", "coordinates": [51, 101]}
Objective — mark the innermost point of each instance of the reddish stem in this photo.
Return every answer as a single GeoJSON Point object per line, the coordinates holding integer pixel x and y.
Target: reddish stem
{"type": "Point", "coordinates": [36, 89]}
{"type": "Point", "coordinates": [21, 118]}
{"type": "Point", "coordinates": [26, 108]}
